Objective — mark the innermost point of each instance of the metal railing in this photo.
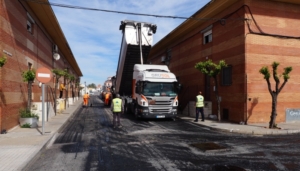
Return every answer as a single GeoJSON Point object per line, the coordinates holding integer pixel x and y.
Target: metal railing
{"type": "Point", "coordinates": [50, 97]}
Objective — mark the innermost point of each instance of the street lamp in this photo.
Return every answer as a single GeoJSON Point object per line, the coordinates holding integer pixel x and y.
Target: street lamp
{"type": "Point", "coordinates": [56, 56]}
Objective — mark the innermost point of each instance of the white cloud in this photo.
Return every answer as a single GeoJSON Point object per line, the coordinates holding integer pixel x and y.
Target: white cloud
{"type": "Point", "coordinates": [95, 38]}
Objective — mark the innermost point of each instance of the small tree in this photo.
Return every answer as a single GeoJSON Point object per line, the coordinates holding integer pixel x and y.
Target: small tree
{"type": "Point", "coordinates": [212, 70]}
{"type": "Point", "coordinates": [57, 73]}
{"type": "Point", "coordinates": [93, 85]}
{"type": "Point", "coordinates": [29, 76]}
{"type": "Point", "coordinates": [3, 60]}
{"type": "Point", "coordinates": [72, 81]}
{"type": "Point", "coordinates": [274, 93]}
{"type": "Point", "coordinates": [69, 79]}
{"type": "Point", "coordinates": [77, 84]}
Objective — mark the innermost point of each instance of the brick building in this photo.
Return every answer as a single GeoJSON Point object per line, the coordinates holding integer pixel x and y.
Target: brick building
{"type": "Point", "coordinates": [29, 36]}
{"type": "Point", "coordinates": [247, 34]}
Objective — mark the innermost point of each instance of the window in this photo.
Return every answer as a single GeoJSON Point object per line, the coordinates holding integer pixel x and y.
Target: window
{"type": "Point", "coordinates": [226, 76]}
{"type": "Point", "coordinates": [29, 66]}
{"type": "Point", "coordinates": [207, 37]}
{"type": "Point", "coordinates": [30, 23]}
{"type": "Point", "coordinates": [29, 26]}
{"type": "Point", "coordinates": [158, 89]}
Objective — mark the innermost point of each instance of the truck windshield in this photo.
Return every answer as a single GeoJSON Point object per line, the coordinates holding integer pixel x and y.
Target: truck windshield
{"type": "Point", "coordinates": [159, 89]}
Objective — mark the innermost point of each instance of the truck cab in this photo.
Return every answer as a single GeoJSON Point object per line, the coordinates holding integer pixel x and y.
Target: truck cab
{"type": "Point", "coordinates": [155, 93]}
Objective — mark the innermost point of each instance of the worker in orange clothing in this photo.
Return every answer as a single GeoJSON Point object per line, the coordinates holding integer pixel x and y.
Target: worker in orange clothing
{"type": "Point", "coordinates": [61, 88]}
{"type": "Point", "coordinates": [107, 98]}
{"type": "Point", "coordinates": [86, 99]}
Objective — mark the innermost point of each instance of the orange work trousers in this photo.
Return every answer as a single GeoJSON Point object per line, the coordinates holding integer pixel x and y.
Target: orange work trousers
{"type": "Point", "coordinates": [85, 101]}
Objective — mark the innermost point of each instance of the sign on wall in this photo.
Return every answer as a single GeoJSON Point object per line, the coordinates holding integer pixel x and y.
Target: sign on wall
{"type": "Point", "coordinates": [292, 115]}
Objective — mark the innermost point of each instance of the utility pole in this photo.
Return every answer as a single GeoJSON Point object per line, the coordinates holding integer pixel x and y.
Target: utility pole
{"type": "Point", "coordinates": [85, 88]}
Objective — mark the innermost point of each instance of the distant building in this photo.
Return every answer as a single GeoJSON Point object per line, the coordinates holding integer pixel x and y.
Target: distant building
{"type": "Point", "coordinates": [247, 34]}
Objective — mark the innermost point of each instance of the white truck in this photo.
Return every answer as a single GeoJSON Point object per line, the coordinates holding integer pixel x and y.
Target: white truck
{"type": "Point", "coordinates": [148, 91]}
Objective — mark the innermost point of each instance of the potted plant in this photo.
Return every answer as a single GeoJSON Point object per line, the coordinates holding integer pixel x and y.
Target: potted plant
{"type": "Point", "coordinates": [28, 118]}
{"type": "Point", "coordinates": [2, 61]}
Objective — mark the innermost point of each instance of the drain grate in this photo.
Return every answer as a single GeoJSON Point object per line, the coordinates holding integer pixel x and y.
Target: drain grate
{"type": "Point", "coordinates": [209, 146]}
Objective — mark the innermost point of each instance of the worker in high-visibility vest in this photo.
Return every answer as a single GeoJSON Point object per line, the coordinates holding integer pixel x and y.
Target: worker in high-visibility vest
{"type": "Point", "coordinates": [199, 106]}
{"type": "Point", "coordinates": [86, 99]}
{"type": "Point", "coordinates": [107, 98]}
{"type": "Point", "coordinates": [117, 108]}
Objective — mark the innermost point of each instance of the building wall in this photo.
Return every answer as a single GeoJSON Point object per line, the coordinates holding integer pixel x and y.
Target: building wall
{"type": "Point", "coordinates": [227, 44]}
{"type": "Point", "coordinates": [263, 49]}
{"type": "Point", "coordinates": [21, 47]}
{"type": "Point", "coordinates": [246, 52]}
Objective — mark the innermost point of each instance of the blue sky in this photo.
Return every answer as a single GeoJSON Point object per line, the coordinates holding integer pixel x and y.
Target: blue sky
{"type": "Point", "coordinates": [95, 38]}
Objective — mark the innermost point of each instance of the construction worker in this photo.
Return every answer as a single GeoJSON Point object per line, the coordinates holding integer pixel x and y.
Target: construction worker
{"type": "Point", "coordinates": [86, 99]}
{"type": "Point", "coordinates": [199, 106]}
{"type": "Point", "coordinates": [117, 108]}
{"type": "Point", "coordinates": [61, 88]}
{"type": "Point", "coordinates": [107, 98]}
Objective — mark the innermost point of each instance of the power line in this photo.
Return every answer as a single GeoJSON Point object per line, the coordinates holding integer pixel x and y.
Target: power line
{"type": "Point", "coordinates": [112, 11]}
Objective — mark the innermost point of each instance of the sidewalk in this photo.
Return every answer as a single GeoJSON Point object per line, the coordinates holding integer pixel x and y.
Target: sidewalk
{"type": "Point", "coordinates": [20, 145]}
{"type": "Point", "coordinates": [254, 129]}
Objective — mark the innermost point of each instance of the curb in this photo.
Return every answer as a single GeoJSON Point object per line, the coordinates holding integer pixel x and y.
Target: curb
{"type": "Point", "coordinates": [262, 131]}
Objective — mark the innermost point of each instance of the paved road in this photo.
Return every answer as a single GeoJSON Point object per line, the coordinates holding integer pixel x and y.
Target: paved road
{"type": "Point", "coordinates": [88, 142]}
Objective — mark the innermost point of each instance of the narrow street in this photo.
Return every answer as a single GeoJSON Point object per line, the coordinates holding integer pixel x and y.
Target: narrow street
{"type": "Point", "coordinates": [88, 142]}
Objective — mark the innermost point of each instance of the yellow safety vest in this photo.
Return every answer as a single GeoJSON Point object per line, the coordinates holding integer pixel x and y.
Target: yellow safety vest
{"type": "Point", "coordinates": [117, 105]}
{"type": "Point", "coordinates": [200, 100]}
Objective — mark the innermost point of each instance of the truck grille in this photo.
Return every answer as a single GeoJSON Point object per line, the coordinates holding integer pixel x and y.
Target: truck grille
{"type": "Point", "coordinates": [161, 106]}
{"type": "Point", "coordinates": [161, 110]}
{"type": "Point", "coordinates": [162, 103]}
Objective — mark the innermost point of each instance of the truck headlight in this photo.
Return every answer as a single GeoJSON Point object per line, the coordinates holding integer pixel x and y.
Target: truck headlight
{"type": "Point", "coordinates": [175, 102]}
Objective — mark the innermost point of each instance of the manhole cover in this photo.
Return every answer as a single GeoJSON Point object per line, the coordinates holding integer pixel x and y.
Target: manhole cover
{"type": "Point", "coordinates": [208, 146]}
{"type": "Point", "coordinates": [227, 168]}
